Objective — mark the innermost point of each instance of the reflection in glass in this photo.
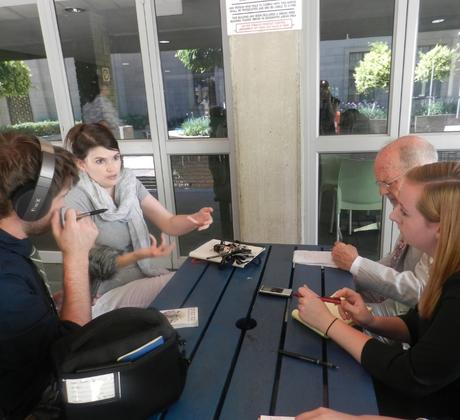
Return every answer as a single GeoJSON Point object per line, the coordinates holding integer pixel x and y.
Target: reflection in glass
{"type": "Point", "coordinates": [26, 97]}
{"type": "Point", "coordinates": [365, 224]}
{"type": "Point", "coordinates": [355, 66]}
{"type": "Point", "coordinates": [104, 66]}
{"type": "Point", "coordinates": [436, 92]}
{"type": "Point", "coordinates": [192, 68]}
{"type": "Point", "coordinates": [203, 181]}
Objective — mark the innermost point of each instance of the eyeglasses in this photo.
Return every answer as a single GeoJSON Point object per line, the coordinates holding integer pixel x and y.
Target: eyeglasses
{"type": "Point", "coordinates": [387, 184]}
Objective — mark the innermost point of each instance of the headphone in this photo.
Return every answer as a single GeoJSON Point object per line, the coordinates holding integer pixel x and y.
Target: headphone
{"type": "Point", "coordinates": [32, 200]}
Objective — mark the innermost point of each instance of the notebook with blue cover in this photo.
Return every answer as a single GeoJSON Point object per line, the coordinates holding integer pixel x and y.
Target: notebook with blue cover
{"type": "Point", "coordinates": [140, 351]}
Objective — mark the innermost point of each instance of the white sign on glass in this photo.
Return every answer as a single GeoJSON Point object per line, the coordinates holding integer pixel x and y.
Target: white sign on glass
{"type": "Point", "coordinates": [254, 16]}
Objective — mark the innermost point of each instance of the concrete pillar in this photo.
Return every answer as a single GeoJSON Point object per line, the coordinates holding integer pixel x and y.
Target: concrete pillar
{"type": "Point", "coordinates": [265, 92]}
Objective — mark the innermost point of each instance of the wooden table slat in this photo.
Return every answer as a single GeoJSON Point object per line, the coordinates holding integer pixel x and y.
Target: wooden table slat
{"type": "Point", "coordinates": [209, 369]}
{"type": "Point", "coordinates": [250, 390]}
{"type": "Point", "coordinates": [300, 383]}
{"type": "Point", "coordinates": [350, 387]}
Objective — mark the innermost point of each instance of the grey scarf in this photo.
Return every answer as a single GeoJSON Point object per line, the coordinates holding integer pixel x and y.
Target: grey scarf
{"type": "Point", "coordinates": [127, 210]}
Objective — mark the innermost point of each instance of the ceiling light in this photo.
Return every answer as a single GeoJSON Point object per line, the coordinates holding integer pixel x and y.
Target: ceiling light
{"type": "Point", "coordinates": [125, 64]}
{"type": "Point", "coordinates": [74, 10]}
{"type": "Point", "coordinates": [438, 20]}
{"type": "Point", "coordinates": [164, 41]}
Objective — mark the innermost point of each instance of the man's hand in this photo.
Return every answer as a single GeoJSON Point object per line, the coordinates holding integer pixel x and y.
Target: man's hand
{"type": "Point", "coordinates": [344, 255]}
{"type": "Point", "coordinates": [75, 240]}
{"type": "Point", "coordinates": [76, 237]}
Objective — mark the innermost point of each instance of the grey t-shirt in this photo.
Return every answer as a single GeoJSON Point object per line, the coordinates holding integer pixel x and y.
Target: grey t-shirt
{"type": "Point", "coordinates": [113, 234]}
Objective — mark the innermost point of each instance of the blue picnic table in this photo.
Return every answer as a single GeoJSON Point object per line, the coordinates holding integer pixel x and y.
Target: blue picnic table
{"type": "Point", "coordinates": [237, 373]}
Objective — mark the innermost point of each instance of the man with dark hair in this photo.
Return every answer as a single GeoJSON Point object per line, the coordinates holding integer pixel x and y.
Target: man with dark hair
{"type": "Point", "coordinates": [394, 283]}
{"type": "Point", "coordinates": [29, 320]}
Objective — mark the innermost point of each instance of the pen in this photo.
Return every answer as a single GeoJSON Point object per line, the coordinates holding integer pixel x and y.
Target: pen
{"type": "Point", "coordinates": [332, 300]}
{"type": "Point", "coordinates": [91, 213]}
{"type": "Point", "coordinates": [307, 359]}
{"type": "Point", "coordinates": [324, 299]}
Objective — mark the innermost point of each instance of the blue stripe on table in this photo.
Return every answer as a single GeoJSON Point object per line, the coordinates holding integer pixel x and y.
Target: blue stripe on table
{"type": "Point", "coordinates": [299, 388]}
{"type": "Point", "coordinates": [208, 374]}
{"type": "Point", "coordinates": [251, 387]}
{"type": "Point", "coordinates": [175, 292]}
{"type": "Point", "coordinates": [350, 387]}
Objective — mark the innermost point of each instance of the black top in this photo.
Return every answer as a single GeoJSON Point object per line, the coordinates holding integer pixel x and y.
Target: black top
{"type": "Point", "coordinates": [428, 374]}
{"type": "Point", "coordinates": [28, 326]}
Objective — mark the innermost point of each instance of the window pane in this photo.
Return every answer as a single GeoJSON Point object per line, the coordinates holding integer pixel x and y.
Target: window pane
{"type": "Point", "coordinates": [26, 97]}
{"type": "Point", "coordinates": [101, 47]}
{"type": "Point", "coordinates": [355, 63]}
{"type": "Point", "coordinates": [189, 33]}
{"type": "Point", "coordinates": [203, 181]}
{"type": "Point", "coordinates": [436, 93]}
{"type": "Point", "coordinates": [351, 174]}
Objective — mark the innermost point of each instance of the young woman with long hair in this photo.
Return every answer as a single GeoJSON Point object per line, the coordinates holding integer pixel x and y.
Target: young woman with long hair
{"type": "Point", "coordinates": [423, 380]}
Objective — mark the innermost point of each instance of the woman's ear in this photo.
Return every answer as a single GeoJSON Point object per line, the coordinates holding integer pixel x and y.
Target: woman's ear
{"type": "Point", "coordinates": [81, 165]}
{"type": "Point", "coordinates": [438, 231]}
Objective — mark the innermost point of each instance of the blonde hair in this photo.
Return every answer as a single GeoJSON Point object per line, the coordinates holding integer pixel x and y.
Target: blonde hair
{"type": "Point", "coordinates": [439, 203]}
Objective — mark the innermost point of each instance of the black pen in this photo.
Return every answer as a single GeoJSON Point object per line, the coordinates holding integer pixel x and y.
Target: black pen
{"type": "Point", "coordinates": [91, 213]}
{"type": "Point", "coordinates": [307, 359]}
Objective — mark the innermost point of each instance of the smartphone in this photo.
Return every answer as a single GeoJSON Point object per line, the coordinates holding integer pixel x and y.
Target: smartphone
{"type": "Point", "coordinates": [275, 291]}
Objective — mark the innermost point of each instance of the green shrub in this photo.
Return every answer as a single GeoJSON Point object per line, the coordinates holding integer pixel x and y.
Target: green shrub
{"type": "Point", "coordinates": [41, 128]}
{"type": "Point", "coordinates": [435, 107]}
{"type": "Point", "coordinates": [196, 126]}
{"type": "Point", "coordinates": [372, 111]}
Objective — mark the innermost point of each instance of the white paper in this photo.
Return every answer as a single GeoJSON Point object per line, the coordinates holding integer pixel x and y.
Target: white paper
{"type": "Point", "coordinates": [182, 317]}
{"type": "Point", "coordinates": [246, 17]}
{"type": "Point", "coordinates": [276, 418]}
{"type": "Point", "coordinates": [90, 389]}
{"type": "Point", "coordinates": [322, 258]}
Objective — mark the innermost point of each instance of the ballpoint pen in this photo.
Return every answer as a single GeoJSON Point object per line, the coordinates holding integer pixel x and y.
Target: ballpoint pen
{"type": "Point", "coordinates": [307, 359]}
{"type": "Point", "coordinates": [323, 298]}
{"type": "Point", "coordinates": [91, 213]}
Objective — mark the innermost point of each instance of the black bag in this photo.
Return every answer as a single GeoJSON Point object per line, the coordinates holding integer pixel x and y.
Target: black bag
{"type": "Point", "coordinates": [95, 386]}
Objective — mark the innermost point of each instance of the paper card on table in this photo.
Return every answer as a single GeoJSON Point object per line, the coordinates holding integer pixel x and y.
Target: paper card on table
{"type": "Point", "coordinates": [140, 351]}
{"type": "Point", "coordinates": [323, 258]}
{"type": "Point", "coordinates": [275, 418]}
{"type": "Point", "coordinates": [207, 252]}
{"type": "Point", "coordinates": [182, 317]}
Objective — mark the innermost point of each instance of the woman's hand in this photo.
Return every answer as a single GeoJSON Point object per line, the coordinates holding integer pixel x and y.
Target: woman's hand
{"type": "Point", "coordinates": [313, 311]}
{"type": "Point", "coordinates": [202, 219]}
{"type": "Point", "coordinates": [354, 308]}
{"type": "Point", "coordinates": [155, 250]}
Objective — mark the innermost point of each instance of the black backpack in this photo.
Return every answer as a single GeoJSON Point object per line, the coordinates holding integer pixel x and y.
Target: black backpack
{"type": "Point", "coordinates": [95, 385]}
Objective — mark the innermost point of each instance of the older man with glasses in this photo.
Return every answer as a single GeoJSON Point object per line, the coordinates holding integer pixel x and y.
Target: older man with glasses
{"type": "Point", "coordinates": [394, 283]}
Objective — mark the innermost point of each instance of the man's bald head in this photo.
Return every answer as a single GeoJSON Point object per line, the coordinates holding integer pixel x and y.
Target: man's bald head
{"type": "Point", "coordinates": [396, 158]}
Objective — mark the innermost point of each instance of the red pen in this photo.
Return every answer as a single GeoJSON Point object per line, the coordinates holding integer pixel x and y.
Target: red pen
{"type": "Point", "coordinates": [324, 299]}
{"type": "Point", "coordinates": [332, 300]}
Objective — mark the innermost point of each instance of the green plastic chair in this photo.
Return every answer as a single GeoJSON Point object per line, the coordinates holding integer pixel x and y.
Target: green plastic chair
{"type": "Point", "coordinates": [356, 189]}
